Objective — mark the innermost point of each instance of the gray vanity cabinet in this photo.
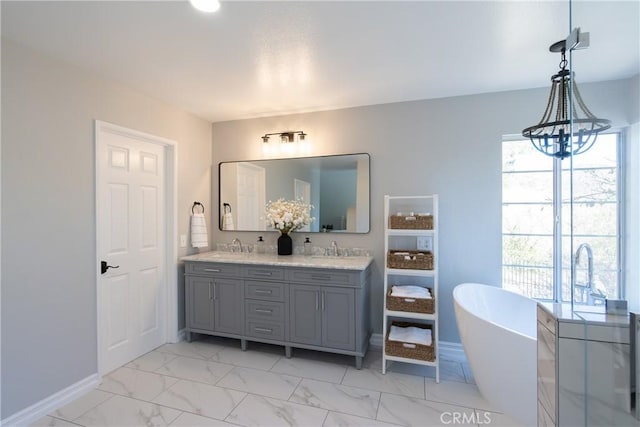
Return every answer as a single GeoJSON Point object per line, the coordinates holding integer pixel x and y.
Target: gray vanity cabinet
{"type": "Point", "coordinates": [324, 309]}
{"type": "Point", "coordinates": [228, 308]}
{"type": "Point", "coordinates": [338, 318]}
{"type": "Point", "coordinates": [324, 315]}
{"type": "Point", "coordinates": [306, 320]}
{"type": "Point", "coordinates": [199, 301]}
{"type": "Point", "coordinates": [214, 303]}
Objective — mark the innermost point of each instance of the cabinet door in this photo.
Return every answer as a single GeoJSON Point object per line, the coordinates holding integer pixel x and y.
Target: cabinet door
{"type": "Point", "coordinates": [228, 295]}
{"type": "Point", "coordinates": [199, 295]}
{"type": "Point", "coordinates": [305, 322]}
{"type": "Point", "coordinates": [338, 318]}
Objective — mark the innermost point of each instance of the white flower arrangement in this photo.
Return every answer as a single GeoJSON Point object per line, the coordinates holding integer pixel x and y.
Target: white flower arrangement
{"type": "Point", "coordinates": [288, 215]}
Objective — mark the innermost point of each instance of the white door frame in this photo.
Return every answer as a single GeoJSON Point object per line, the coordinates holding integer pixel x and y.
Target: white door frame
{"type": "Point", "coordinates": [171, 219]}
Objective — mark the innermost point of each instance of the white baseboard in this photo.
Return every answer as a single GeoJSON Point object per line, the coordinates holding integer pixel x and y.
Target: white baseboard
{"type": "Point", "coordinates": [181, 336]}
{"type": "Point", "coordinates": [448, 350]}
{"type": "Point", "coordinates": [375, 340]}
{"type": "Point", "coordinates": [452, 351]}
{"type": "Point", "coordinates": [49, 404]}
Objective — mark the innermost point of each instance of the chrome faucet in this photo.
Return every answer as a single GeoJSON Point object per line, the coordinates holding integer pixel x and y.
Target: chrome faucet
{"type": "Point", "coordinates": [592, 294]}
{"type": "Point", "coordinates": [334, 248]}
{"type": "Point", "coordinates": [235, 243]}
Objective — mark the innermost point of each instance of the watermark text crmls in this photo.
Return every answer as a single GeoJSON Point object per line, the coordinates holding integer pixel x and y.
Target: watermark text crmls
{"type": "Point", "coordinates": [473, 417]}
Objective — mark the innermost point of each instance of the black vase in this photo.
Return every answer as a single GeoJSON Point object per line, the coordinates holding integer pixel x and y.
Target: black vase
{"type": "Point", "coordinates": [285, 245]}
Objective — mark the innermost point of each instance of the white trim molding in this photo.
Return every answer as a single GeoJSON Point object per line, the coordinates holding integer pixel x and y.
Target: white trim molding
{"type": "Point", "coordinates": [171, 333]}
{"type": "Point", "coordinates": [49, 404]}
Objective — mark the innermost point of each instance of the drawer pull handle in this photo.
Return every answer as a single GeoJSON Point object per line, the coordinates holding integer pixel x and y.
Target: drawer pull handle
{"type": "Point", "coordinates": [262, 273]}
{"type": "Point", "coordinates": [263, 310]}
{"type": "Point", "coordinates": [212, 270]}
{"type": "Point", "coordinates": [405, 345]}
{"type": "Point", "coordinates": [263, 291]}
{"type": "Point", "coordinates": [265, 330]}
{"type": "Point", "coordinates": [320, 277]}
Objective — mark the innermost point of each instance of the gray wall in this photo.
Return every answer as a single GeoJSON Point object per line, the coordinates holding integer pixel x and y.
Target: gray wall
{"type": "Point", "coordinates": [48, 228]}
{"type": "Point", "coordinates": [334, 204]}
{"type": "Point", "coordinates": [449, 146]}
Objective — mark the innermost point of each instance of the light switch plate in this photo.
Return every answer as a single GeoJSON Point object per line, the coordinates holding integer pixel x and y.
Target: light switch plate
{"type": "Point", "coordinates": [183, 240]}
{"type": "Point", "coordinates": [425, 244]}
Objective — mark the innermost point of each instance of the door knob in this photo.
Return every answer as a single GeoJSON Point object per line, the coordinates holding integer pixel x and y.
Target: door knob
{"type": "Point", "coordinates": [104, 267]}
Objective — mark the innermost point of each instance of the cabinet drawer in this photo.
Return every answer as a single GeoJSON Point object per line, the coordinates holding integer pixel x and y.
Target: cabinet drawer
{"type": "Point", "coordinates": [264, 291]}
{"type": "Point", "coordinates": [323, 277]}
{"type": "Point", "coordinates": [274, 331]}
{"type": "Point", "coordinates": [262, 272]}
{"type": "Point", "coordinates": [547, 320]}
{"type": "Point", "coordinates": [212, 269]}
{"type": "Point", "coordinates": [265, 310]}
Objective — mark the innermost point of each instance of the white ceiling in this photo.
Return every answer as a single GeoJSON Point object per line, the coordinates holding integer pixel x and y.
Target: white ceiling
{"type": "Point", "coordinates": [266, 58]}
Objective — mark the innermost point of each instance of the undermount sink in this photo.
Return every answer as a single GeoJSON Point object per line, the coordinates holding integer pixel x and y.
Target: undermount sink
{"type": "Point", "coordinates": [226, 254]}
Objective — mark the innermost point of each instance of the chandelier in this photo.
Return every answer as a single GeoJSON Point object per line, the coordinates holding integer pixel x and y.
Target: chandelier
{"type": "Point", "coordinates": [553, 135]}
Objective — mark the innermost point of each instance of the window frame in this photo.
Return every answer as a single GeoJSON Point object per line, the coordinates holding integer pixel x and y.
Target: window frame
{"type": "Point", "coordinates": [557, 171]}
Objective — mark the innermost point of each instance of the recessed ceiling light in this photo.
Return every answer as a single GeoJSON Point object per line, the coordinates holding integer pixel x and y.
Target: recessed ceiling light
{"type": "Point", "coordinates": [205, 5]}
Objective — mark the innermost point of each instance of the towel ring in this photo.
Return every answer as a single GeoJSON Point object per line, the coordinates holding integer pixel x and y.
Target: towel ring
{"type": "Point", "coordinates": [225, 206]}
{"type": "Point", "coordinates": [197, 204]}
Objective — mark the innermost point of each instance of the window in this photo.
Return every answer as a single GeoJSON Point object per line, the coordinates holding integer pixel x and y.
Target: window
{"type": "Point", "coordinates": [529, 265]}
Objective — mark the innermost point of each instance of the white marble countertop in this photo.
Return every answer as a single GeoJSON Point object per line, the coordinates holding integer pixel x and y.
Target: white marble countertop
{"type": "Point", "coordinates": [584, 314]}
{"type": "Point", "coordinates": [338, 263]}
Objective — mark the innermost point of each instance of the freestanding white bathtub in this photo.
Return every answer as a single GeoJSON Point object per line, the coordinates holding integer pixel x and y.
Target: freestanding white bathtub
{"type": "Point", "coordinates": [498, 332]}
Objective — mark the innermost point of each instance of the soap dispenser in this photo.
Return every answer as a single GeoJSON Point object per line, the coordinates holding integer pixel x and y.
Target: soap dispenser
{"type": "Point", "coordinates": [308, 249]}
{"type": "Point", "coordinates": [260, 245]}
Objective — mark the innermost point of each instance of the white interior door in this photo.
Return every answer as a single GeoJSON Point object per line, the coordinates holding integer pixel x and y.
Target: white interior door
{"type": "Point", "coordinates": [130, 235]}
{"type": "Point", "coordinates": [302, 190]}
{"type": "Point", "coordinates": [251, 197]}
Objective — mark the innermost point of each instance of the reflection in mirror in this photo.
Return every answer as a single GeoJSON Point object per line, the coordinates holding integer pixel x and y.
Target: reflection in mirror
{"type": "Point", "coordinates": [337, 187]}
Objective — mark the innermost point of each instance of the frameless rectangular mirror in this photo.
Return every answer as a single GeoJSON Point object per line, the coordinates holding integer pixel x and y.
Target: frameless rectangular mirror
{"type": "Point", "coordinates": [336, 186]}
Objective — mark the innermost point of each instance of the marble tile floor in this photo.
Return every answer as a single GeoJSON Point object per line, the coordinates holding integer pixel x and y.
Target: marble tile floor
{"type": "Point", "coordinates": [211, 382]}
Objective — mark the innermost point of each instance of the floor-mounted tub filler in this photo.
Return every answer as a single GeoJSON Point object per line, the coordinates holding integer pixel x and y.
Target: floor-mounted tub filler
{"type": "Point", "coordinates": [498, 331]}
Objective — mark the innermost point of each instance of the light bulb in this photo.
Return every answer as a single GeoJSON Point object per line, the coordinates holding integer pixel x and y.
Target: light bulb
{"type": "Point", "coordinates": [205, 5]}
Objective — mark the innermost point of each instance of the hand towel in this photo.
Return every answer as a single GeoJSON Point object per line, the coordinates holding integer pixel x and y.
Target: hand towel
{"type": "Point", "coordinates": [199, 238]}
{"type": "Point", "coordinates": [412, 334]}
{"type": "Point", "coordinates": [227, 221]}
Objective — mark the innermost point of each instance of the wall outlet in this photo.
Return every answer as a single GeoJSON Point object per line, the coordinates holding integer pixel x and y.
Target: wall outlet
{"type": "Point", "coordinates": [425, 244]}
{"type": "Point", "coordinates": [183, 240]}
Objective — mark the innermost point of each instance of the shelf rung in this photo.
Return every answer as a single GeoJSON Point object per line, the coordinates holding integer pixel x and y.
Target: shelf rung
{"type": "Point", "coordinates": [410, 315]}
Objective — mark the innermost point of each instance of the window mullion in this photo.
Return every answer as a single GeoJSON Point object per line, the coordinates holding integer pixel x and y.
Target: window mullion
{"type": "Point", "coordinates": [557, 230]}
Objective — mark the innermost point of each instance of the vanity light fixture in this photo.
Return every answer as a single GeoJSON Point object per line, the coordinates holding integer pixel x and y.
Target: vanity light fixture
{"type": "Point", "coordinates": [205, 5]}
{"type": "Point", "coordinates": [286, 136]}
{"type": "Point", "coordinates": [553, 136]}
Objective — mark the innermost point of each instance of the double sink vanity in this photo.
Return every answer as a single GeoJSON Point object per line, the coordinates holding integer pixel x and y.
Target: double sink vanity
{"type": "Point", "coordinates": [319, 303]}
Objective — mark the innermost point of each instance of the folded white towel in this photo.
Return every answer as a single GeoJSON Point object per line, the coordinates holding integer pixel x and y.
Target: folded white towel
{"type": "Point", "coordinates": [227, 222]}
{"type": "Point", "coordinates": [411, 334]}
{"type": "Point", "coordinates": [199, 238]}
{"type": "Point", "coordinates": [410, 292]}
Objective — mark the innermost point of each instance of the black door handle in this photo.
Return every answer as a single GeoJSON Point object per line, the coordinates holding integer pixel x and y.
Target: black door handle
{"type": "Point", "coordinates": [104, 267]}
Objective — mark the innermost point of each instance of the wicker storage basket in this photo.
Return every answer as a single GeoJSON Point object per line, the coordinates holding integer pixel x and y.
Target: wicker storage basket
{"type": "Point", "coordinates": [414, 305]}
{"type": "Point", "coordinates": [415, 260]}
{"type": "Point", "coordinates": [412, 222]}
{"type": "Point", "coordinates": [410, 350]}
